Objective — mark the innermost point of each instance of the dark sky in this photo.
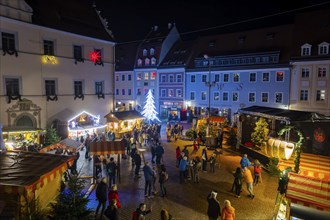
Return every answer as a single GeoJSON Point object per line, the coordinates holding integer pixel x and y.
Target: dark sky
{"type": "Point", "coordinates": [131, 20]}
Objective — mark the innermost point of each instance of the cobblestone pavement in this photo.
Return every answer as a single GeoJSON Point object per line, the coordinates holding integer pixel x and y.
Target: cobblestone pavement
{"type": "Point", "coordinates": [188, 201]}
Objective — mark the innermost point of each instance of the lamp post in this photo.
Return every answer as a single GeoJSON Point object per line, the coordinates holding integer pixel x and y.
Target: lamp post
{"type": "Point", "coordinates": [209, 84]}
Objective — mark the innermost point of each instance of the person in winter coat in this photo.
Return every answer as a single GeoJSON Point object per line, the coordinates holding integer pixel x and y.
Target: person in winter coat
{"type": "Point", "coordinates": [159, 153]}
{"type": "Point", "coordinates": [182, 168]}
{"type": "Point", "coordinates": [197, 167]}
{"type": "Point", "coordinates": [238, 182]}
{"type": "Point", "coordinates": [111, 168]}
{"type": "Point", "coordinates": [177, 155]}
{"type": "Point", "coordinates": [249, 181]}
{"type": "Point", "coordinates": [101, 196]}
{"type": "Point", "coordinates": [204, 159]}
{"type": "Point", "coordinates": [213, 210]}
{"type": "Point", "coordinates": [137, 161]}
{"type": "Point", "coordinates": [112, 211]}
{"type": "Point", "coordinates": [148, 176]}
{"type": "Point", "coordinates": [228, 212]}
{"type": "Point", "coordinates": [162, 180]}
{"type": "Point", "coordinates": [245, 162]}
{"type": "Point", "coordinates": [113, 194]}
{"type": "Point", "coordinates": [142, 211]}
{"type": "Point", "coordinates": [257, 172]}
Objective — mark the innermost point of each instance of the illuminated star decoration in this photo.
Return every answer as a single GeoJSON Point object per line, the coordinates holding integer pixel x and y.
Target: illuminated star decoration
{"type": "Point", "coordinates": [95, 56]}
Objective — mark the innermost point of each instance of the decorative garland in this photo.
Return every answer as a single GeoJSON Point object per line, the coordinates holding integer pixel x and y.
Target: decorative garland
{"type": "Point", "coordinates": [10, 52]}
{"type": "Point", "coordinates": [79, 60]}
{"type": "Point", "coordinates": [100, 95]}
{"type": "Point", "coordinates": [52, 99]}
{"type": "Point", "coordinates": [80, 96]}
{"type": "Point", "coordinates": [10, 97]}
{"type": "Point", "coordinates": [298, 144]}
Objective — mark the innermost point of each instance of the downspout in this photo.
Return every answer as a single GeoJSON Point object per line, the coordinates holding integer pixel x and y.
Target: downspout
{"type": "Point", "coordinates": [113, 78]}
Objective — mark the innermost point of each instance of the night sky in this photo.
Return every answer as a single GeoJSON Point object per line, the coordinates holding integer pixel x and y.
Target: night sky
{"type": "Point", "coordinates": [131, 20]}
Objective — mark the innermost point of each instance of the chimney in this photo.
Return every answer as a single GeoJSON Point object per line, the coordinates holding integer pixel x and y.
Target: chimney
{"type": "Point", "coordinates": [169, 25]}
{"type": "Point", "coordinates": [155, 28]}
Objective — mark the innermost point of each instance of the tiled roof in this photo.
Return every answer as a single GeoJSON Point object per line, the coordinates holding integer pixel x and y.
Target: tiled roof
{"type": "Point", "coordinates": [125, 56]}
{"type": "Point", "coordinates": [74, 16]}
{"type": "Point", "coordinates": [179, 54]}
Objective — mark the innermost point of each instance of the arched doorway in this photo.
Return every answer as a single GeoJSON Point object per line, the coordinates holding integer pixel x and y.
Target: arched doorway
{"type": "Point", "coordinates": [24, 121]}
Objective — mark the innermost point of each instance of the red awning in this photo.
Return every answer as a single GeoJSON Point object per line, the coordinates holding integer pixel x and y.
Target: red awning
{"type": "Point", "coordinates": [107, 147]}
{"type": "Point", "coordinates": [217, 119]}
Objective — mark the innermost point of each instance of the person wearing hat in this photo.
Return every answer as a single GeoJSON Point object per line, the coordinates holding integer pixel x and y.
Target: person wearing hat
{"type": "Point", "coordinates": [213, 209]}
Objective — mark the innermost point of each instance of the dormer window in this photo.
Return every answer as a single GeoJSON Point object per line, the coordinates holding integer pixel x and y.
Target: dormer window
{"type": "Point", "coordinates": [152, 51]}
{"type": "Point", "coordinates": [153, 61]}
{"type": "Point", "coordinates": [147, 62]}
{"type": "Point", "coordinates": [139, 62]}
{"type": "Point", "coordinates": [145, 52]}
{"type": "Point", "coordinates": [306, 50]}
{"type": "Point", "coordinates": [324, 48]}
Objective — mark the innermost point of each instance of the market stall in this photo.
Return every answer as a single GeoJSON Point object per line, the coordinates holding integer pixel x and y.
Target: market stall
{"type": "Point", "coordinates": [27, 179]}
{"type": "Point", "coordinates": [308, 192]}
{"type": "Point", "coordinates": [123, 122]}
{"type": "Point", "coordinates": [84, 123]}
{"type": "Point", "coordinates": [107, 148]}
{"type": "Point", "coordinates": [66, 144]}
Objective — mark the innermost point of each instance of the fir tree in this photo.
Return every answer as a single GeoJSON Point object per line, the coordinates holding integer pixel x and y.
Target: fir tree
{"type": "Point", "coordinates": [149, 109]}
{"type": "Point", "coordinates": [51, 136]}
{"type": "Point", "coordinates": [260, 133]}
{"type": "Point", "coordinates": [71, 203]}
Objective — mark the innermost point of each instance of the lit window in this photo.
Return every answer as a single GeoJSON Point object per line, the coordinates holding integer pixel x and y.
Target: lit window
{"type": "Point", "coordinates": [278, 97]}
{"type": "Point", "coordinates": [146, 76]}
{"type": "Point", "coordinates": [139, 76]}
{"type": "Point", "coordinates": [170, 93]}
{"type": "Point", "coordinates": [236, 77]}
{"type": "Point", "coordinates": [252, 97]}
{"type": "Point", "coordinates": [216, 96]}
{"type": "Point", "coordinates": [322, 72]}
{"type": "Point", "coordinates": [147, 61]}
{"type": "Point", "coordinates": [178, 93]}
{"type": "Point", "coordinates": [235, 96]}
{"type": "Point", "coordinates": [264, 97]}
{"type": "Point", "coordinates": [225, 96]}
{"type": "Point", "coordinates": [265, 77]}
{"type": "Point", "coordinates": [320, 95]}
{"type": "Point", "coordinates": [153, 76]}
{"type": "Point", "coordinates": [304, 72]}
{"type": "Point", "coordinates": [253, 77]}
{"type": "Point", "coordinates": [146, 90]}
{"type": "Point", "coordinates": [279, 76]}
{"type": "Point", "coordinates": [139, 62]}
{"type": "Point", "coordinates": [153, 61]}
{"type": "Point", "coordinates": [203, 96]}
{"type": "Point", "coordinates": [303, 95]}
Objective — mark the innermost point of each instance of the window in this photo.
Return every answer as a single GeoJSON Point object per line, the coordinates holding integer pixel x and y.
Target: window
{"type": "Point", "coordinates": [306, 50]}
{"type": "Point", "coordinates": [170, 93]}
{"type": "Point", "coordinates": [78, 87]}
{"type": "Point", "coordinates": [50, 87]}
{"type": "Point", "coordinates": [322, 72]}
{"type": "Point", "coordinates": [264, 97]}
{"type": "Point", "coordinates": [163, 78]}
{"type": "Point", "coordinates": [204, 78]}
{"type": "Point", "coordinates": [147, 62]}
{"type": "Point", "coordinates": [98, 88]}
{"type": "Point", "coordinates": [145, 52]}
{"type": "Point", "coordinates": [216, 96]}
{"type": "Point", "coordinates": [145, 83]}
{"type": "Point", "coordinates": [265, 77]}
{"type": "Point", "coordinates": [179, 78]}
{"type": "Point", "coordinates": [203, 96]}
{"type": "Point", "coordinates": [123, 92]}
{"type": "Point", "coordinates": [117, 91]}
{"type": "Point", "coordinates": [153, 76]}
{"type": "Point", "coordinates": [303, 95]}
{"type": "Point", "coordinates": [279, 76]}
{"type": "Point", "coordinates": [139, 62]}
{"type": "Point", "coordinates": [304, 72]}
{"type": "Point", "coordinates": [8, 41]}
{"type": "Point", "coordinates": [146, 90]}
{"type": "Point", "coordinates": [163, 93]}
{"type": "Point", "coordinates": [236, 77]}
{"type": "Point", "coordinates": [217, 78]}
{"type": "Point", "coordinates": [178, 93]}
{"type": "Point", "coordinates": [129, 77]}
{"type": "Point", "coordinates": [12, 86]}
{"type": "Point", "coordinates": [320, 95]}
{"type": "Point", "coordinates": [278, 97]}
{"type": "Point", "coordinates": [225, 96]}
{"type": "Point", "coordinates": [139, 91]}
{"type": "Point", "coordinates": [123, 77]}
{"type": "Point", "coordinates": [139, 76]}
{"type": "Point", "coordinates": [193, 78]}
{"type": "Point", "coordinates": [226, 77]}
{"type": "Point", "coordinates": [253, 77]}
{"type": "Point", "coordinates": [77, 52]}
{"type": "Point", "coordinates": [117, 77]}
{"type": "Point", "coordinates": [146, 76]}
{"type": "Point", "coordinates": [252, 97]}
{"type": "Point", "coordinates": [48, 47]}
{"type": "Point", "coordinates": [152, 51]}
{"type": "Point", "coordinates": [171, 78]}
{"type": "Point", "coordinates": [324, 48]}
{"type": "Point", "coordinates": [192, 95]}
{"type": "Point", "coordinates": [129, 91]}
{"type": "Point", "coordinates": [235, 96]}
{"type": "Point", "coordinates": [153, 61]}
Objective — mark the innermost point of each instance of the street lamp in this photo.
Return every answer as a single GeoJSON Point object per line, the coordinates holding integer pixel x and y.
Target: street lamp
{"type": "Point", "coordinates": [209, 84]}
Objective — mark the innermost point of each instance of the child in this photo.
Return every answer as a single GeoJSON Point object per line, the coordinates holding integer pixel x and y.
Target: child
{"type": "Point", "coordinates": [257, 172]}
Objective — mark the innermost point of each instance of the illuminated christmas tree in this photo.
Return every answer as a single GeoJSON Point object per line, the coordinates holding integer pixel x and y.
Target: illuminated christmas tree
{"type": "Point", "coordinates": [149, 109]}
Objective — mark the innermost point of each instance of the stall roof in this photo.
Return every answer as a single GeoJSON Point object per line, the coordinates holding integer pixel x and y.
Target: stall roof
{"type": "Point", "coordinates": [67, 143]}
{"type": "Point", "coordinates": [125, 115]}
{"type": "Point", "coordinates": [21, 168]}
{"type": "Point", "coordinates": [284, 114]}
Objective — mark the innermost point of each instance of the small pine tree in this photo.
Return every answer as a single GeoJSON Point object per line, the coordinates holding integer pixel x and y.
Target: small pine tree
{"type": "Point", "coordinates": [51, 136]}
{"type": "Point", "coordinates": [260, 133]}
{"type": "Point", "coordinates": [232, 137]}
{"type": "Point", "coordinates": [71, 203]}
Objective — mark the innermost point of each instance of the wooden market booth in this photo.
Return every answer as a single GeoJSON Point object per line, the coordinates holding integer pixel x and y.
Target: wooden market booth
{"type": "Point", "coordinates": [29, 177]}
{"type": "Point", "coordinates": [123, 122]}
{"type": "Point", "coordinates": [308, 192]}
{"type": "Point", "coordinates": [66, 144]}
{"type": "Point", "coordinates": [103, 148]}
